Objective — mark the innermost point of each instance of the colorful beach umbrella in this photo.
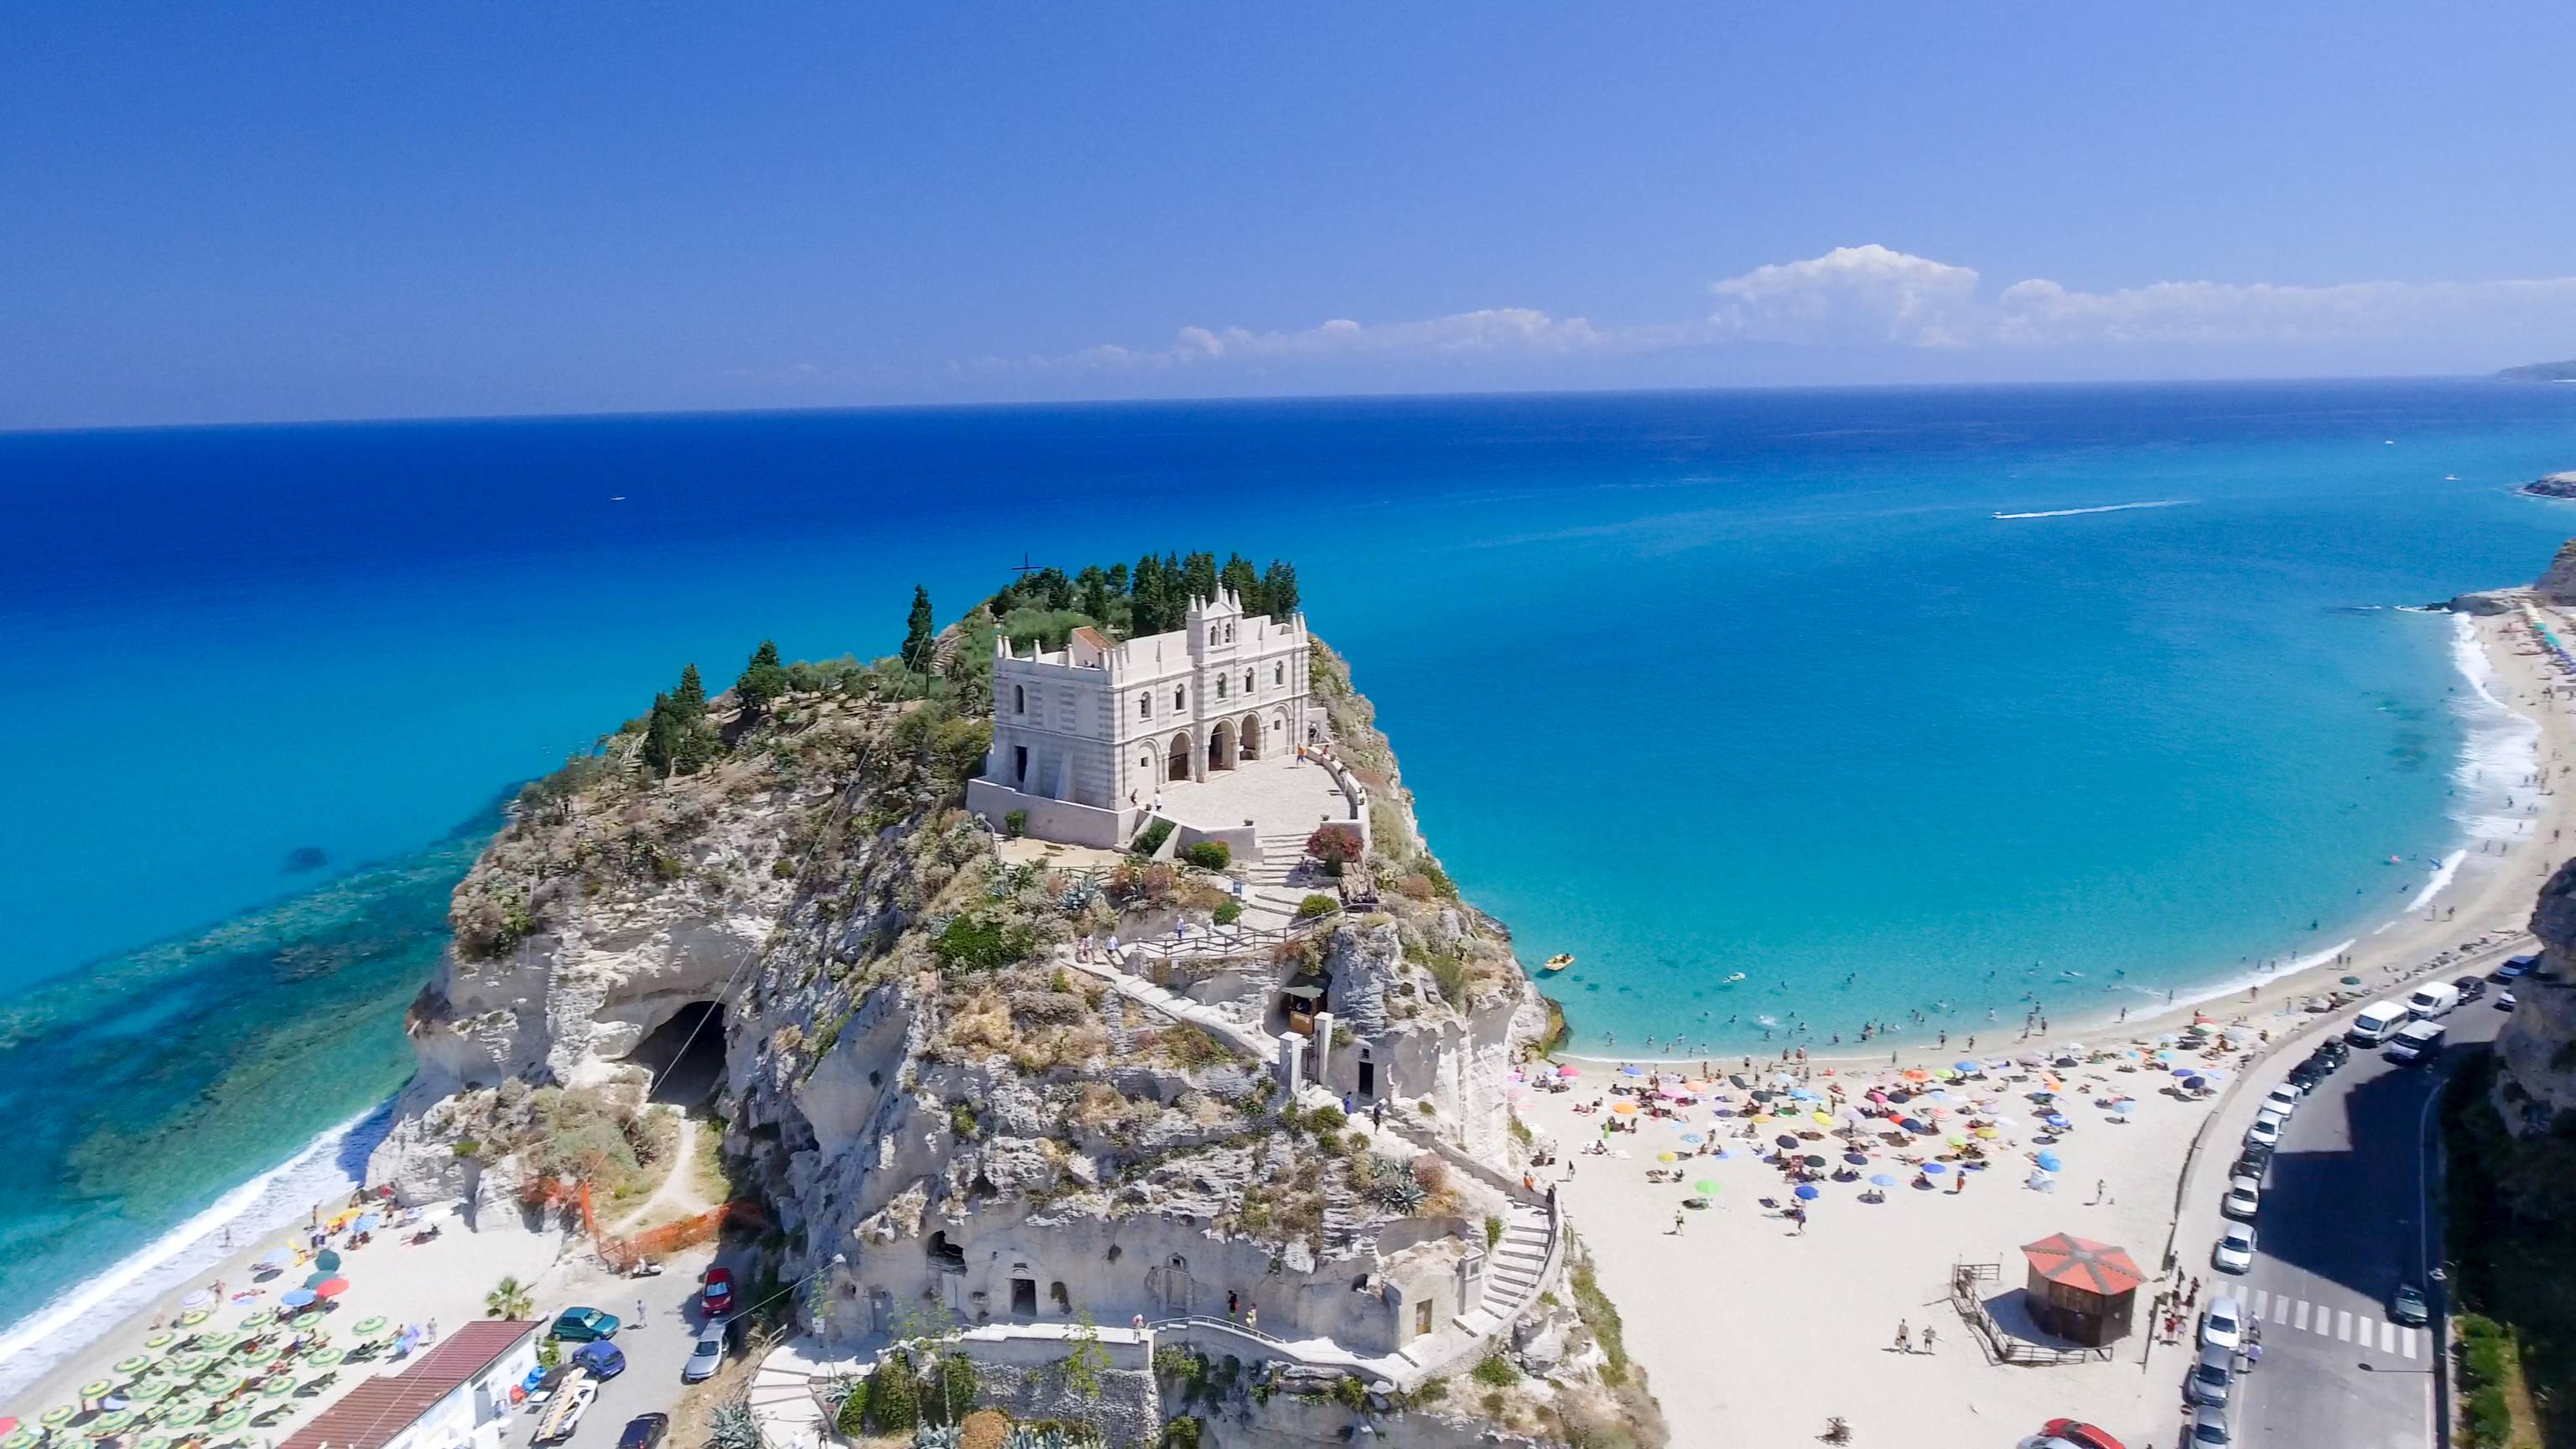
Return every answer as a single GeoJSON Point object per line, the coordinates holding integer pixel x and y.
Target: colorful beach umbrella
{"type": "Point", "coordinates": [2048, 1162]}
{"type": "Point", "coordinates": [57, 1416]}
{"type": "Point", "coordinates": [111, 1421]}
{"type": "Point", "coordinates": [153, 1441]}
{"type": "Point", "coordinates": [21, 1439]}
{"type": "Point", "coordinates": [328, 1260]}
{"type": "Point", "coordinates": [331, 1288]}
{"type": "Point", "coordinates": [1569, 1070]}
{"type": "Point", "coordinates": [324, 1358]}
{"type": "Point", "coordinates": [1668, 1157]}
{"type": "Point", "coordinates": [1705, 1187]}
{"type": "Point", "coordinates": [193, 1317]}
{"type": "Point", "coordinates": [295, 1297]}
{"type": "Point", "coordinates": [160, 1340]}
{"type": "Point", "coordinates": [366, 1223]}
{"type": "Point", "coordinates": [1881, 1179]}
{"type": "Point", "coordinates": [133, 1364]}
{"type": "Point", "coordinates": [98, 1388]}
{"type": "Point", "coordinates": [1807, 1192]}
{"type": "Point", "coordinates": [277, 1388]}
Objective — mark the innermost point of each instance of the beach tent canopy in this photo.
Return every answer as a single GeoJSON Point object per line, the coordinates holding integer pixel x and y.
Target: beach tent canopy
{"type": "Point", "coordinates": [2082, 1263]}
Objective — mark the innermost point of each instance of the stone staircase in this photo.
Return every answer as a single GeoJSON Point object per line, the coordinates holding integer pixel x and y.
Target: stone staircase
{"type": "Point", "coordinates": [783, 1403]}
{"type": "Point", "coordinates": [1270, 900]}
{"type": "Point", "coordinates": [1511, 1272]}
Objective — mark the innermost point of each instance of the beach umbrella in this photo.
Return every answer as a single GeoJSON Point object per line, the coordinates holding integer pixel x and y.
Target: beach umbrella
{"type": "Point", "coordinates": [276, 1258]}
{"type": "Point", "coordinates": [1856, 1159]}
{"type": "Point", "coordinates": [1667, 1157]}
{"type": "Point", "coordinates": [21, 1439]}
{"type": "Point", "coordinates": [1966, 1066]}
{"type": "Point", "coordinates": [98, 1388]}
{"type": "Point", "coordinates": [1807, 1192]}
{"type": "Point", "coordinates": [1881, 1179]}
{"type": "Point", "coordinates": [223, 1381]}
{"type": "Point", "coordinates": [1692, 1138]}
{"type": "Point", "coordinates": [135, 1364]}
{"type": "Point", "coordinates": [185, 1415]}
{"type": "Point", "coordinates": [295, 1297]}
{"type": "Point", "coordinates": [327, 1260]}
{"type": "Point", "coordinates": [324, 1358]}
{"type": "Point", "coordinates": [58, 1416]}
{"type": "Point", "coordinates": [1812, 1160]}
{"type": "Point", "coordinates": [1915, 1074]}
{"type": "Point", "coordinates": [152, 1390]}
{"type": "Point", "coordinates": [1705, 1187]}
{"type": "Point", "coordinates": [1786, 1140]}
{"type": "Point", "coordinates": [330, 1287]}
{"type": "Point", "coordinates": [1569, 1070]}
{"type": "Point", "coordinates": [1624, 1109]}
{"type": "Point", "coordinates": [1988, 1133]}
{"type": "Point", "coordinates": [277, 1388]}
{"type": "Point", "coordinates": [2124, 1106]}
{"type": "Point", "coordinates": [229, 1420]}
{"type": "Point", "coordinates": [201, 1298]}
{"type": "Point", "coordinates": [368, 1327]}
{"type": "Point", "coordinates": [2352, 981]}
{"type": "Point", "coordinates": [161, 1340]}
{"type": "Point", "coordinates": [257, 1353]}
{"type": "Point", "coordinates": [1935, 1169]}
{"type": "Point", "coordinates": [2055, 1120]}
{"type": "Point", "coordinates": [366, 1223]}
{"type": "Point", "coordinates": [193, 1317]}
{"type": "Point", "coordinates": [111, 1421]}
{"type": "Point", "coordinates": [2048, 1162]}
{"type": "Point", "coordinates": [1630, 1072]}
{"type": "Point", "coordinates": [316, 1279]}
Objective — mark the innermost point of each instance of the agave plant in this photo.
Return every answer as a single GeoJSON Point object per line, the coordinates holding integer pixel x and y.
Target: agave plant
{"type": "Point", "coordinates": [935, 1436]}
{"type": "Point", "coordinates": [1398, 1191]}
{"type": "Point", "coordinates": [730, 1426]}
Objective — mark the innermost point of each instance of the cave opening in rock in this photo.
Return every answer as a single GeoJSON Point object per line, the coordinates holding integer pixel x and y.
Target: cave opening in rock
{"type": "Point", "coordinates": [685, 1054]}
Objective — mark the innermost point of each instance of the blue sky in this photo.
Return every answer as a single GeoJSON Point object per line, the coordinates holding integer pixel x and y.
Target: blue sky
{"type": "Point", "coordinates": [275, 211]}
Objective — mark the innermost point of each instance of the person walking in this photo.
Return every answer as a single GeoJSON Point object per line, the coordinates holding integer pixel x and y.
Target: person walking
{"type": "Point", "coordinates": [1904, 1337]}
{"type": "Point", "coordinates": [639, 1313]}
{"type": "Point", "coordinates": [1927, 1338]}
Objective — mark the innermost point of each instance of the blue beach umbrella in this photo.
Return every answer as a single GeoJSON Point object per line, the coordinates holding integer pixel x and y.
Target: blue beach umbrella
{"type": "Point", "coordinates": [1856, 1159]}
{"type": "Point", "coordinates": [1693, 1138]}
{"type": "Point", "coordinates": [2048, 1162]}
{"type": "Point", "coordinates": [2124, 1106]}
{"type": "Point", "coordinates": [2054, 1119]}
{"type": "Point", "coordinates": [1965, 1065]}
{"type": "Point", "coordinates": [1881, 1180]}
{"type": "Point", "coordinates": [1807, 1192]}
{"type": "Point", "coordinates": [296, 1297]}
{"type": "Point", "coordinates": [1934, 1169]}
{"type": "Point", "coordinates": [1630, 1072]}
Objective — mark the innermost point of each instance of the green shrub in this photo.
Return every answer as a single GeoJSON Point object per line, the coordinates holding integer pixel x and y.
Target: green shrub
{"type": "Point", "coordinates": [1229, 912]}
{"type": "Point", "coordinates": [1496, 1370]}
{"type": "Point", "coordinates": [1602, 1317]}
{"type": "Point", "coordinates": [1183, 1432]}
{"type": "Point", "coordinates": [894, 1404]}
{"type": "Point", "coordinates": [1151, 838]}
{"type": "Point", "coordinates": [1317, 904]}
{"type": "Point", "coordinates": [977, 941]}
{"type": "Point", "coordinates": [1493, 1230]}
{"type": "Point", "coordinates": [1326, 1118]}
{"type": "Point", "coordinates": [1016, 822]}
{"type": "Point", "coordinates": [956, 1387]}
{"type": "Point", "coordinates": [853, 1418]}
{"type": "Point", "coordinates": [1208, 854]}
{"type": "Point", "coordinates": [1350, 1392]}
{"type": "Point", "coordinates": [961, 1120]}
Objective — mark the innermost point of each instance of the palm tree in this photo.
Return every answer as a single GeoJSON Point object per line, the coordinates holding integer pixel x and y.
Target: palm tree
{"type": "Point", "coordinates": [509, 1298]}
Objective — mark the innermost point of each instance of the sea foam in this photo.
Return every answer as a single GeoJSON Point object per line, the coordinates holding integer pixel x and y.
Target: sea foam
{"type": "Point", "coordinates": [92, 1307]}
{"type": "Point", "coordinates": [2499, 748]}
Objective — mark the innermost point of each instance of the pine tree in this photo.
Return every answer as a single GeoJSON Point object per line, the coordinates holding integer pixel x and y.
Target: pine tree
{"type": "Point", "coordinates": [1146, 601]}
{"type": "Point", "coordinates": [1279, 589]}
{"type": "Point", "coordinates": [1200, 575]}
{"type": "Point", "coordinates": [691, 697]}
{"type": "Point", "coordinates": [919, 630]}
{"type": "Point", "coordinates": [1092, 593]}
{"type": "Point", "coordinates": [661, 735]}
{"type": "Point", "coordinates": [1243, 581]}
{"type": "Point", "coordinates": [763, 680]}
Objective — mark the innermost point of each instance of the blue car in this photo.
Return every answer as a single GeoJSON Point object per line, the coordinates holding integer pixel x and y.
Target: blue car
{"type": "Point", "coordinates": [604, 1360]}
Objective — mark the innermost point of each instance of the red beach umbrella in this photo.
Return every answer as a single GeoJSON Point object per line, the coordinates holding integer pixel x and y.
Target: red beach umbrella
{"type": "Point", "coordinates": [330, 1287]}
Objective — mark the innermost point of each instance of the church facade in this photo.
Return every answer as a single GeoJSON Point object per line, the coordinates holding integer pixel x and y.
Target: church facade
{"type": "Point", "coordinates": [1086, 737]}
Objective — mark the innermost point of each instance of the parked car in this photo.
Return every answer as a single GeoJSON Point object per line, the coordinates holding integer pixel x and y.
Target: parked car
{"type": "Point", "coordinates": [2504, 1001]}
{"type": "Point", "coordinates": [581, 1325]}
{"type": "Point", "coordinates": [2211, 1377]}
{"type": "Point", "coordinates": [601, 1358]}
{"type": "Point", "coordinates": [563, 1416]}
{"type": "Point", "coordinates": [2334, 1051]}
{"type": "Point", "coordinates": [2244, 1198]}
{"type": "Point", "coordinates": [2209, 1429]}
{"type": "Point", "coordinates": [644, 1431]}
{"type": "Point", "coordinates": [2407, 1306]}
{"type": "Point", "coordinates": [2266, 1131]}
{"type": "Point", "coordinates": [2222, 1324]}
{"type": "Point", "coordinates": [2471, 987]}
{"type": "Point", "coordinates": [2253, 1161]}
{"type": "Point", "coordinates": [2519, 966]}
{"type": "Point", "coordinates": [2235, 1250]}
{"type": "Point", "coordinates": [706, 1356]}
{"type": "Point", "coordinates": [2079, 1434]}
{"type": "Point", "coordinates": [2283, 1100]}
{"type": "Point", "coordinates": [717, 1296]}
{"type": "Point", "coordinates": [2306, 1075]}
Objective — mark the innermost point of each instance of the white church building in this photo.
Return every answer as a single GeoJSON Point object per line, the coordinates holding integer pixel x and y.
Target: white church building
{"type": "Point", "coordinates": [1086, 738]}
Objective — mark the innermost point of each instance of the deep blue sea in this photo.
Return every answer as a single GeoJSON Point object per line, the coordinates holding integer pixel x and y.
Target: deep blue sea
{"type": "Point", "coordinates": [1688, 685]}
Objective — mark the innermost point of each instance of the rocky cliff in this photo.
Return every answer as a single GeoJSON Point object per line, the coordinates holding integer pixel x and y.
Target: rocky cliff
{"type": "Point", "coordinates": [950, 1117]}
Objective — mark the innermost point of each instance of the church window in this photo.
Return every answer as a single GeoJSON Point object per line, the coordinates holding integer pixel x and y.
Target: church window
{"type": "Point", "coordinates": [1144, 706]}
{"type": "Point", "coordinates": [1181, 698]}
{"type": "Point", "coordinates": [1220, 686]}
{"type": "Point", "coordinates": [1247, 681]}
{"type": "Point", "coordinates": [1279, 674]}
{"type": "Point", "coordinates": [1019, 699]}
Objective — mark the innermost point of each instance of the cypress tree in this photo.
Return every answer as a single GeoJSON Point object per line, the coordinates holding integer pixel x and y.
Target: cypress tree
{"type": "Point", "coordinates": [1092, 593]}
{"type": "Point", "coordinates": [763, 680]}
{"type": "Point", "coordinates": [919, 630]}
{"type": "Point", "coordinates": [1147, 600]}
{"type": "Point", "coordinates": [691, 698]}
{"type": "Point", "coordinates": [1242, 581]}
{"type": "Point", "coordinates": [1200, 574]}
{"type": "Point", "coordinates": [661, 736]}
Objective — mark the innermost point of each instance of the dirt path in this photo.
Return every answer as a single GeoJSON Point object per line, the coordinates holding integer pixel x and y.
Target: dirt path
{"type": "Point", "coordinates": [678, 1196]}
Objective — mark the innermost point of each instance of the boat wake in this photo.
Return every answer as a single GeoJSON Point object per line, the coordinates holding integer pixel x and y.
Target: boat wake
{"type": "Point", "coordinates": [2104, 508]}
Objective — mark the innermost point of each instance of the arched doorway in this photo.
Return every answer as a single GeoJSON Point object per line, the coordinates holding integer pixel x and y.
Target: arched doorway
{"type": "Point", "coordinates": [1177, 757]}
{"type": "Point", "coordinates": [1221, 745]}
{"type": "Point", "coordinates": [1251, 736]}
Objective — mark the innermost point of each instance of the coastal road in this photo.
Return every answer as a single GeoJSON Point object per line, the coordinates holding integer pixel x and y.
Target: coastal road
{"type": "Point", "coordinates": [654, 1352]}
{"type": "Point", "coordinates": [2347, 1214]}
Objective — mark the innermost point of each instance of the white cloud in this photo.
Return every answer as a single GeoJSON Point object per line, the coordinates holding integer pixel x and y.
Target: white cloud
{"type": "Point", "coordinates": [1850, 295]}
{"type": "Point", "coordinates": [1872, 293]}
{"type": "Point", "coordinates": [1491, 332]}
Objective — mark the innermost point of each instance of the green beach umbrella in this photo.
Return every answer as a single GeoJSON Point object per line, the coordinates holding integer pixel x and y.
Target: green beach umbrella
{"type": "Point", "coordinates": [257, 1353]}
{"type": "Point", "coordinates": [327, 1260]}
{"type": "Point", "coordinates": [152, 1389]}
{"type": "Point", "coordinates": [160, 1340]}
{"type": "Point", "coordinates": [193, 1317]}
{"type": "Point", "coordinates": [369, 1327]}
{"type": "Point", "coordinates": [98, 1388]}
{"type": "Point", "coordinates": [325, 1358]}
{"type": "Point", "coordinates": [190, 1361]}
{"type": "Point", "coordinates": [1705, 1187]}
{"type": "Point", "coordinates": [223, 1381]}
{"type": "Point", "coordinates": [153, 1441]}
{"type": "Point", "coordinates": [111, 1421]}
{"type": "Point", "coordinates": [58, 1416]}
{"type": "Point", "coordinates": [277, 1388]}
{"type": "Point", "coordinates": [133, 1365]}
{"type": "Point", "coordinates": [257, 1316]}
{"type": "Point", "coordinates": [22, 1439]}
{"type": "Point", "coordinates": [185, 1415]}
{"type": "Point", "coordinates": [229, 1420]}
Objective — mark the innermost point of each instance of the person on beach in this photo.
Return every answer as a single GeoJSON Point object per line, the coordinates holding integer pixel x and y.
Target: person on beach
{"type": "Point", "coordinates": [639, 1313]}
{"type": "Point", "coordinates": [1904, 1337]}
{"type": "Point", "coordinates": [1927, 1338]}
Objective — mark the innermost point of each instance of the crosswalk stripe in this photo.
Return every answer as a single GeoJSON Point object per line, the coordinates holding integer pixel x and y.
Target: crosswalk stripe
{"type": "Point", "coordinates": [2343, 1325]}
{"type": "Point", "coordinates": [2388, 1338]}
{"type": "Point", "coordinates": [2406, 1340]}
{"type": "Point", "coordinates": [2262, 1299]}
{"type": "Point", "coordinates": [2281, 1309]}
{"type": "Point", "coordinates": [2302, 1320]}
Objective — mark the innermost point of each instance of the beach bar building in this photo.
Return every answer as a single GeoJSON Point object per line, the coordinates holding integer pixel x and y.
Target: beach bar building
{"type": "Point", "coordinates": [456, 1397]}
{"type": "Point", "coordinates": [2082, 1290]}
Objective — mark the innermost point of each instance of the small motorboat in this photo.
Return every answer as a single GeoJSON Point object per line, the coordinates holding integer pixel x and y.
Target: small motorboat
{"type": "Point", "coordinates": [1559, 961]}
{"type": "Point", "coordinates": [1731, 980]}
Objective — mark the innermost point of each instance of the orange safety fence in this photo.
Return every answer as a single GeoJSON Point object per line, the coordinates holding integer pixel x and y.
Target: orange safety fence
{"type": "Point", "coordinates": [625, 1252]}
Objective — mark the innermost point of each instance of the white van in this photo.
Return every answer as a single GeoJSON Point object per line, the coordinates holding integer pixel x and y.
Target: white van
{"type": "Point", "coordinates": [2376, 1022]}
{"type": "Point", "coordinates": [2432, 1000]}
{"type": "Point", "coordinates": [2416, 1042]}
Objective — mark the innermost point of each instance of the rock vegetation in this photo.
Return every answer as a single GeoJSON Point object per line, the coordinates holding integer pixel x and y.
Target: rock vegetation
{"type": "Point", "coordinates": [949, 1119]}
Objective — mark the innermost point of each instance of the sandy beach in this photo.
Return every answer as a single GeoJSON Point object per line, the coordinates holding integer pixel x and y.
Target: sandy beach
{"type": "Point", "coordinates": [1756, 1331]}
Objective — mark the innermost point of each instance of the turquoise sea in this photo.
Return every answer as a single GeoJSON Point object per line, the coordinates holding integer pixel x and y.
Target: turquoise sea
{"type": "Point", "coordinates": [1688, 685]}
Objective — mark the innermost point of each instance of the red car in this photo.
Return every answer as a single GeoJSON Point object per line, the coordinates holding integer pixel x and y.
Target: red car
{"type": "Point", "coordinates": [2080, 1434]}
{"type": "Point", "coordinates": [718, 1296]}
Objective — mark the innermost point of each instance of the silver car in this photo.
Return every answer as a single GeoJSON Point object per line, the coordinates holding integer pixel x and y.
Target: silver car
{"type": "Point", "coordinates": [706, 1356]}
{"type": "Point", "coordinates": [2211, 1378]}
